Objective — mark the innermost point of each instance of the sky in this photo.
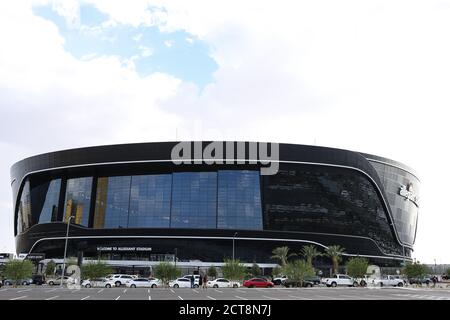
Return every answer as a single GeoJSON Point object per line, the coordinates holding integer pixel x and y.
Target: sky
{"type": "Point", "coordinates": [369, 76]}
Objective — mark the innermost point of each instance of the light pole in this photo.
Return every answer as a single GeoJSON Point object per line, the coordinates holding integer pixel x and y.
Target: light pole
{"type": "Point", "coordinates": [65, 252]}
{"type": "Point", "coordinates": [176, 257]}
{"type": "Point", "coordinates": [234, 236]}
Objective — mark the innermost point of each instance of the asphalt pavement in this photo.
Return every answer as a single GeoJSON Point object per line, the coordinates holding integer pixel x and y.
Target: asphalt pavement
{"type": "Point", "coordinates": [315, 293]}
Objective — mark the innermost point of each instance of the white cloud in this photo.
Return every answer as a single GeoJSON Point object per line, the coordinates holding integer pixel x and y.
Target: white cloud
{"type": "Point", "coordinates": [367, 76]}
{"type": "Point", "coordinates": [168, 43]}
{"type": "Point", "coordinates": [146, 51]}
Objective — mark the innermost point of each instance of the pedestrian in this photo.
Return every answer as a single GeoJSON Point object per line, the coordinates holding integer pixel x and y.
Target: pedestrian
{"type": "Point", "coordinates": [192, 282]}
{"type": "Point", "coordinates": [200, 281]}
{"type": "Point", "coordinates": [205, 281]}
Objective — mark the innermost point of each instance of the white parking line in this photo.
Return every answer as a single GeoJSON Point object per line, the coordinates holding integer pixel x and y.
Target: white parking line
{"type": "Point", "coordinates": [149, 297]}
{"type": "Point", "coordinates": [326, 297]}
{"type": "Point", "coordinates": [117, 298]}
{"type": "Point", "coordinates": [148, 290]}
{"type": "Point", "coordinates": [211, 298]}
{"type": "Point", "coordinates": [172, 291]}
{"type": "Point", "coordinates": [218, 291]}
{"type": "Point", "coordinates": [301, 298]}
{"type": "Point", "coordinates": [270, 298]}
{"type": "Point", "coordinates": [3, 290]}
{"type": "Point", "coordinates": [180, 298]}
{"type": "Point", "coordinates": [239, 290]}
{"type": "Point", "coordinates": [241, 298]}
{"type": "Point", "coordinates": [51, 298]}
{"type": "Point", "coordinates": [195, 290]}
{"type": "Point", "coordinates": [85, 298]}
{"type": "Point", "coordinates": [23, 290]}
{"type": "Point", "coordinates": [18, 298]}
{"type": "Point", "coordinates": [124, 291]}
{"type": "Point", "coordinates": [99, 291]}
{"type": "Point", "coordinates": [50, 290]}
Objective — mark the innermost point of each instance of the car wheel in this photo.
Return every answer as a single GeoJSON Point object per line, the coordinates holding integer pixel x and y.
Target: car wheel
{"type": "Point", "coordinates": [88, 286]}
{"type": "Point", "coordinates": [7, 283]}
{"type": "Point", "coordinates": [117, 283]}
{"type": "Point", "coordinates": [50, 283]}
{"type": "Point", "coordinates": [355, 284]}
{"type": "Point", "coordinates": [196, 285]}
{"type": "Point", "coordinates": [381, 284]}
{"type": "Point", "coordinates": [133, 286]}
{"type": "Point", "coordinates": [363, 283]}
{"type": "Point", "coordinates": [400, 284]}
{"type": "Point", "coordinates": [108, 286]}
{"type": "Point", "coordinates": [215, 286]}
{"type": "Point", "coordinates": [427, 282]}
{"type": "Point", "coordinates": [334, 284]}
{"type": "Point", "coordinates": [309, 285]}
{"type": "Point", "coordinates": [153, 286]}
{"type": "Point", "coordinates": [250, 286]}
{"type": "Point", "coordinates": [176, 285]}
{"type": "Point", "coordinates": [235, 285]}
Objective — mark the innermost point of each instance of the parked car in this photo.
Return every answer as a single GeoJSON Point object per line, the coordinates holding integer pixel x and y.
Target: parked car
{"type": "Point", "coordinates": [222, 283]}
{"type": "Point", "coordinates": [314, 279]}
{"type": "Point", "coordinates": [38, 279]}
{"type": "Point", "coordinates": [258, 283]}
{"type": "Point", "coordinates": [423, 280]}
{"type": "Point", "coordinates": [180, 283]}
{"type": "Point", "coordinates": [305, 284]}
{"type": "Point", "coordinates": [23, 282]}
{"type": "Point", "coordinates": [279, 280]}
{"type": "Point", "coordinates": [445, 277]}
{"type": "Point", "coordinates": [143, 283]}
{"type": "Point", "coordinates": [395, 281]}
{"type": "Point", "coordinates": [97, 283]}
{"type": "Point", "coordinates": [196, 279]}
{"type": "Point", "coordinates": [57, 281]}
{"type": "Point", "coordinates": [341, 280]}
{"type": "Point", "coordinates": [120, 279]}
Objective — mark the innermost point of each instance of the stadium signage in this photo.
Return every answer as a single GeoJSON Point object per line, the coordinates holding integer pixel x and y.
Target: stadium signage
{"type": "Point", "coordinates": [122, 249]}
{"type": "Point", "coordinates": [408, 193]}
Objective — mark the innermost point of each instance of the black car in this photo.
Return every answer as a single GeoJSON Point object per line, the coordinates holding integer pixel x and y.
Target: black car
{"type": "Point", "coordinates": [424, 280]}
{"type": "Point", "coordinates": [314, 279]}
{"type": "Point", "coordinates": [38, 279]}
{"type": "Point", "coordinates": [306, 284]}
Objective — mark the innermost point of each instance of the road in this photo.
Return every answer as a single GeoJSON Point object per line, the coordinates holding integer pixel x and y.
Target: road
{"type": "Point", "coordinates": [316, 293]}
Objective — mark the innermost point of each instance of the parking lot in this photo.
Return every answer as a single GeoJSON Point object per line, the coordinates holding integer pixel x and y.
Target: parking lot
{"type": "Point", "coordinates": [316, 293]}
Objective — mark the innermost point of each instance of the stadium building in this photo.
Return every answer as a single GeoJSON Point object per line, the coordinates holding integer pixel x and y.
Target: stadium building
{"type": "Point", "coordinates": [133, 204]}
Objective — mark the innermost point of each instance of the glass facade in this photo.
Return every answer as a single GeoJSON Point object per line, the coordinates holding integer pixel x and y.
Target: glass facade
{"type": "Point", "coordinates": [45, 200]}
{"type": "Point", "coordinates": [78, 200]}
{"type": "Point", "coordinates": [194, 200]}
{"type": "Point", "coordinates": [239, 200]}
{"type": "Point", "coordinates": [404, 211]}
{"type": "Point", "coordinates": [326, 200]}
{"type": "Point", "coordinates": [24, 217]}
{"type": "Point", "coordinates": [150, 201]}
{"type": "Point", "coordinates": [112, 202]}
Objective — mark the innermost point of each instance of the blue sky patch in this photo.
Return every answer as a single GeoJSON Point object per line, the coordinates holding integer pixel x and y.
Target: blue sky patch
{"type": "Point", "coordinates": [177, 53]}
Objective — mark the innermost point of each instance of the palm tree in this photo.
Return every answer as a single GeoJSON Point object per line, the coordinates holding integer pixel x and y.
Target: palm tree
{"type": "Point", "coordinates": [282, 254]}
{"type": "Point", "coordinates": [335, 253]}
{"type": "Point", "coordinates": [310, 252]}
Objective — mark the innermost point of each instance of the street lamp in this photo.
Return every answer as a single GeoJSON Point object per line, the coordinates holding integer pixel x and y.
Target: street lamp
{"type": "Point", "coordinates": [176, 257]}
{"type": "Point", "coordinates": [65, 251]}
{"type": "Point", "coordinates": [234, 236]}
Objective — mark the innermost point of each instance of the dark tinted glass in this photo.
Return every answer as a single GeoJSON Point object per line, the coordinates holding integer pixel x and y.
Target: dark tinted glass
{"type": "Point", "coordinates": [78, 200]}
{"type": "Point", "coordinates": [239, 200]}
{"type": "Point", "coordinates": [44, 201]}
{"type": "Point", "coordinates": [326, 200]}
{"type": "Point", "coordinates": [24, 217]}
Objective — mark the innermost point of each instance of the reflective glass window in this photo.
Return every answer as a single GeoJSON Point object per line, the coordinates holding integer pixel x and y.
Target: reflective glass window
{"type": "Point", "coordinates": [239, 200]}
{"type": "Point", "coordinates": [112, 202]}
{"type": "Point", "coordinates": [24, 218]}
{"type": "Point", "coordinates": [194, 200]}
{"type": "Point", "coordinates": [150, 201]}
{"type": "Point", "coordinates": [330, 200]}
{"type": "Point", "coordinates": [78, 200]}
{"type": "Point", "coordinates": [45, 200]}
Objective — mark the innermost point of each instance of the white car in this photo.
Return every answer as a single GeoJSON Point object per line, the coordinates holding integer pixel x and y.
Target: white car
{"type": "Point", "coordinates": [395, 281]}
{"type": "Point", "coordinates": [97, 283]}
{"type": "Point", "coordinates": [57, 281]}
{"type": "Point", "coordinates": [120, 279]}
{"type": "Point", "coordinates": [341, 280]}
{"type": "Point", "coordinates": [143, 283]}
{"type": "Point", "coordinates": [196, 279]}
{"type": "Point", "coordinates": [180, 283]}
{"type": "Point", "coordinates": [222, 283]}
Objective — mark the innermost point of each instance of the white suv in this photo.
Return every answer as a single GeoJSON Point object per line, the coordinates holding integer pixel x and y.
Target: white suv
{"type": "Point", "coordinates": [341, 280]}
{"type": "Point", "coordinates": [120, 279]}
{"type": "Point", "coordinates": [395, 281]}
